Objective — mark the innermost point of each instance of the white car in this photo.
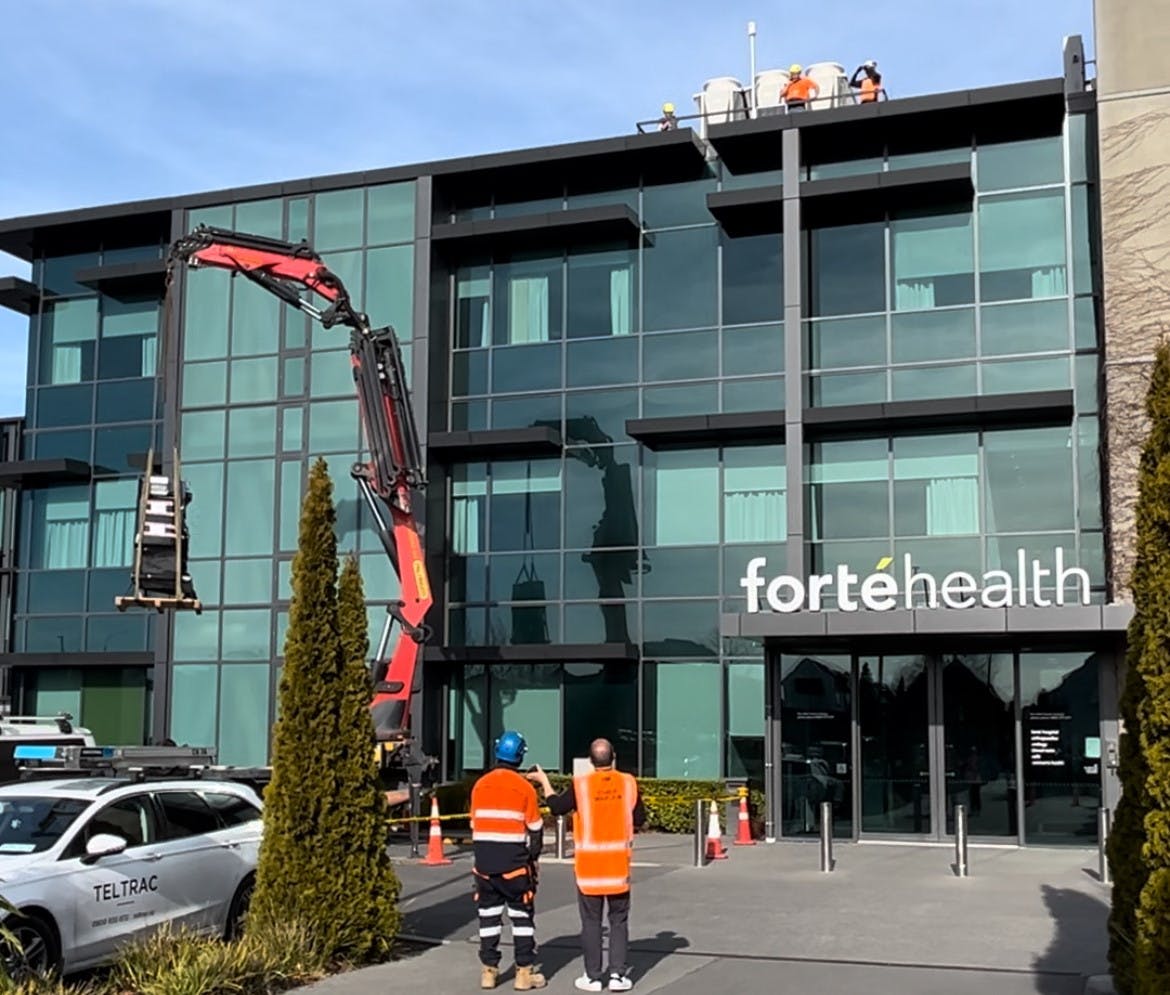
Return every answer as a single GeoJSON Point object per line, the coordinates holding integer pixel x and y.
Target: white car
{"type": "Point", "coordinates": [90, 863]}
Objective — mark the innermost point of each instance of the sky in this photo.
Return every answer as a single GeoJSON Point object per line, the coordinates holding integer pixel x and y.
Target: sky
{"type": "Point", "coordinates": [116, 100]}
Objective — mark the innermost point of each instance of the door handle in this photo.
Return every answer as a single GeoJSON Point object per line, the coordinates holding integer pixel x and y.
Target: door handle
{"type": "Point", "coordinates": [152, 857]}
{"type": "Point", "coordinates": [230, 846]}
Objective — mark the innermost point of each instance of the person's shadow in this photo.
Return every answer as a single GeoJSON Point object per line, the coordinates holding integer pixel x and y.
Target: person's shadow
{"type": "Point", "coordinates": [644, 954]}
{"type": "Point", "coordinates": [1078, 946]}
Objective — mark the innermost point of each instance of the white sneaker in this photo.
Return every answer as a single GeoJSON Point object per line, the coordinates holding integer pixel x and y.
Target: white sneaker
{"type": "Point", "coordinates": [587, 984]}
{"type": "Point", "coordinates": [620, 983]}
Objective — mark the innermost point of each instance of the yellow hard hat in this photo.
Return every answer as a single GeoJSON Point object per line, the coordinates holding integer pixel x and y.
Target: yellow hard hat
{"type": "Point", "coordinates": [668, 108]}
{"type": "Point", "coordinates": [794, 70]}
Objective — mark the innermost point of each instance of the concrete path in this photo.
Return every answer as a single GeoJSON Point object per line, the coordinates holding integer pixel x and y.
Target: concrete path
{"type": "Point", "coordinates": [888, 919]}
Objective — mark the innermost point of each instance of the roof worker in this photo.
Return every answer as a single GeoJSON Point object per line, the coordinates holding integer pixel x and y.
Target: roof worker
{"type": "Point", "coordinates": [799, 91]}
{"type": "Point", "coordinates": [507, 834]}
{"type": "Point", "coordinates": [607, 807]}
{"type": "Point", "coordinates": [668, 122]}
{"type": "Point", "coordinates": [871, 86]}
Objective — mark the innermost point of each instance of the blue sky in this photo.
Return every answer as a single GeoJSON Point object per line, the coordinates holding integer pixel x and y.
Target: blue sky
{"type": "Point", "coordinates": [123, 100]}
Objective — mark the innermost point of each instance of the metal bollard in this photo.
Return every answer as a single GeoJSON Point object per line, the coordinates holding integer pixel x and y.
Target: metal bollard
{"type": "Point", "coordinates": [1104, 824]}
{"type": "Point", "coordinates": [700, 831]}
{"type": "Point", "coordinates": [961, 868]}
{"type": "Point", "coordinates": [826, 836]}
{"type": "Point", "coordinates": [560, 837]}
{"type": "Point", "coordinates": [415, 811]}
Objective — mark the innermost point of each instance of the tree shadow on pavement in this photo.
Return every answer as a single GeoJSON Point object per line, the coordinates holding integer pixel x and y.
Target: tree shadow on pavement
{"type": "Point", "coordinates": [1079, 944]}
{"type": "Point", "coordinates": [645, 953]}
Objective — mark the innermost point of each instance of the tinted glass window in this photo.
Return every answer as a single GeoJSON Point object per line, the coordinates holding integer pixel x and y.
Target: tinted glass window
{"type": "Point", "coordinates": [186, 814]}
{"type": "Point", "coordinates": [232, 809]}
{"type": "Point", "coordinates": [753, 282]}
{"type": "Point", "coordinates": [1022, 246]}
{"type": "Point", "coordinates": [602, 291]}
{"type": "Point", "coordinates": [679, 283]}
{"type": "Point", "coordinates": [932, 260]}
{"type": "Point", "coordinates": [30, 825]}
{"type": "Point", "coordinates": [130, 818]}
{"type": "Point", "coordinates": [848, 269]}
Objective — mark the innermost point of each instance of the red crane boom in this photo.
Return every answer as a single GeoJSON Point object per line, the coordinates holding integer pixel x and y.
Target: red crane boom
{"type": "Point", "coordinates": [395, 470]}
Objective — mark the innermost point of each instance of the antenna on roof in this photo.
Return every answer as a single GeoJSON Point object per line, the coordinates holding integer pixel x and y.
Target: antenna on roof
{"type": "Point", "coordinates": [752, 67]}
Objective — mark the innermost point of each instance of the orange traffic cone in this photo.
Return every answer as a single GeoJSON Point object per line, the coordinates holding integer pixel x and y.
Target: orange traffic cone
{"type": "Point", "coordinates": [715, 850]}
{"type": "Point", "coordinates": [743, 834]}
{"type": "Point", "coordinates": [434, 857]}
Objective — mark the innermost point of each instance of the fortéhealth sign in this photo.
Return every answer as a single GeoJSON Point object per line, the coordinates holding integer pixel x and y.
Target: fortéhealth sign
{"type": "Point", "coordinates": [881, 591]}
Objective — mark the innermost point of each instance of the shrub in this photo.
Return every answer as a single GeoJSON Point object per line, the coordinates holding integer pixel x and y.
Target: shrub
{"type": "Point", "coordinates": [323, 860]}
{"type": "Point", "coordinates": [1139, 844]}
{"type": "Point", "coordinates": [272, 957]}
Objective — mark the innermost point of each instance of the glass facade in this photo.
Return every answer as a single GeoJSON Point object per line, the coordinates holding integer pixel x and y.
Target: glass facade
{"type": "Point", "coordinates": [613, 541]}
{"type": "Point", "coordinates": [264, 392]}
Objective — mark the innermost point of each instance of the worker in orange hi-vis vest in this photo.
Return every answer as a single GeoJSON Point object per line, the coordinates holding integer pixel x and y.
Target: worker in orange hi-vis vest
{"type": "Point", "coordinates": [507, 835]}
{"type": "Point", "coordinates": [871, 86]}
{"type": "Point", "coordinates": [607, 808]}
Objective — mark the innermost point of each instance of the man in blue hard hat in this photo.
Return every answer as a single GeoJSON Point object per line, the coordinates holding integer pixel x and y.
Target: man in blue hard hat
{"type": "Point", "coordinates": [507, 834]}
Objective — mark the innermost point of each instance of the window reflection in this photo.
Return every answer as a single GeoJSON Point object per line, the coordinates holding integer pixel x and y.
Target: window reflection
{"type": "Point", "coordinates": [816, 743]}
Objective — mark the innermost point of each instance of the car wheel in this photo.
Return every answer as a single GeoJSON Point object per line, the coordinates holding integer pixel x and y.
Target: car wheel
{"type": "Point", "coordinates": [238, 910]}
{"type": "Point", "coordinates": [35, 953]}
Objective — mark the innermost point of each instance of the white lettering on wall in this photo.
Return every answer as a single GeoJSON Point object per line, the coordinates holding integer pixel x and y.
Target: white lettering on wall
{"type": "Point", "coordinates": [880, 591]}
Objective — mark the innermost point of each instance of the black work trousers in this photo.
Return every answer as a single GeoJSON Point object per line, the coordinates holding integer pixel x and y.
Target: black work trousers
{"type": "Point", "coordinates": [591, 908]}
{"type": "Point", "coordinates": [514, 893]}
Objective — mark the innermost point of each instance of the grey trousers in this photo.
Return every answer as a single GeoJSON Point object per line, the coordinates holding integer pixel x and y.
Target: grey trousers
{"type": "Point", "coordinates": [591, 908]}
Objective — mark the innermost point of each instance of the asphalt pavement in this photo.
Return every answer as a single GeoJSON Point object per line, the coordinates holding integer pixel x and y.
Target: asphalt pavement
{"type": "Point", "coordinates": [888, 919]}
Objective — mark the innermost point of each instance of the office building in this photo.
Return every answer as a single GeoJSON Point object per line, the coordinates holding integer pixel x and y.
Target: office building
{"type": "Point", "coordinates": [769, 448]}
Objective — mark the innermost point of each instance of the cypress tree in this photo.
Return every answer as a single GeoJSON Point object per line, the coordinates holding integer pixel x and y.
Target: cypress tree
{"type": "Point", "coordinates": [1139, 843]}
{"type": "Point", "coordinates": [323, 860]}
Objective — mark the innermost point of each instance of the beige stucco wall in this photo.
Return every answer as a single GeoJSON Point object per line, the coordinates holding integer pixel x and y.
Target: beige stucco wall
{"type": "Point", "coordinates": [1133, 77]}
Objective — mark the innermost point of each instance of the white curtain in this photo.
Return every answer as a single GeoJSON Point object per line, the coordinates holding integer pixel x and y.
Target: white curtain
{"type": "Point", "coordinates": [528, 309]}
{"type": "Point", "coordinates": [465, 525]}
{"type": "Point", "coordinates": [65, 543]}
{"type": "Point", "coordinates": [914, 295]}
{"type": "Point", "coordinates": [619, 302]}
{"type": "Point", "coordinates": [1048, 282]}
{"type": "Point", "coordinates": [113, 538]}
{"type": "Point", "coordinates": [754, 516]}
{"type": "Point", "coordinates": [952, 506]}
{"type": "Point", "coordinates": [149, 356]}
{"type": "Point", "coordinates": [66, 364]}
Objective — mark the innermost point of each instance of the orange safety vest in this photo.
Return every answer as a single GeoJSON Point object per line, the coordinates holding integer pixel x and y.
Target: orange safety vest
{"type": "Point", "coordinates": [800, 89]}
{"type": "Point", "coordinates": [504, 808]}
{"type": "Point", "coordinates": [869, 90]}
{"type": "Point", "coordinates": [603, 831]}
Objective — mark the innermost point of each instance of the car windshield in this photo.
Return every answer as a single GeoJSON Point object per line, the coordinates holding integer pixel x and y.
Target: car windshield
{"type": "Point", "coordinates": [33, 824]}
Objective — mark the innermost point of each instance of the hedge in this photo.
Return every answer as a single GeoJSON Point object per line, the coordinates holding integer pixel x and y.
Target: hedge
{"type": "Point", "coordinates": [670, 804]}
{"type": "Point", "coordinates": [1139, 844]}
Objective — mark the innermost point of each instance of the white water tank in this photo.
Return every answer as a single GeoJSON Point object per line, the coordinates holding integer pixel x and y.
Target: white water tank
{"type": "Point", "coordinates": [834, 84]}
{"type": "Point", "coordinates": [769, 85]}
{"type": "Point", "coordinates": [722, 100]}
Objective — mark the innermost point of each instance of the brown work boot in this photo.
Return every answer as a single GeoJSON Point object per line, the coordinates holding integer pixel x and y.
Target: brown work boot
{"type": "Point", "coordinates": [528, 978]}
{"type": "Point", "coordinates": [488, 976]}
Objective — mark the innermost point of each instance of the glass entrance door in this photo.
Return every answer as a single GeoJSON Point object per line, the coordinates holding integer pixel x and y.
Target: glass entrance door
{"type": "Point", "coordinates": [976, 742]}
{"type": "Point", "coordinates": [937, 731]}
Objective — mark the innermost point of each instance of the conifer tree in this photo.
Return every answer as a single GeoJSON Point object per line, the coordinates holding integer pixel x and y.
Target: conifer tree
{"type": "Point", "coordinates": [1139, 843]}
{"type": "Point", "coordinates": [323, 859]}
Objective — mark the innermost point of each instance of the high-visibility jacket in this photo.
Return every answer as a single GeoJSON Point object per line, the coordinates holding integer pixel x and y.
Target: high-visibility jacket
{"type": "Point", "coordinates": [869, 91]}
{"type": "Point", "coordinates": [603, 831]}
{"type": "Point", "coordinates": [506, 825]}
{"type": "Point", "coordinates": [799, 90]}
